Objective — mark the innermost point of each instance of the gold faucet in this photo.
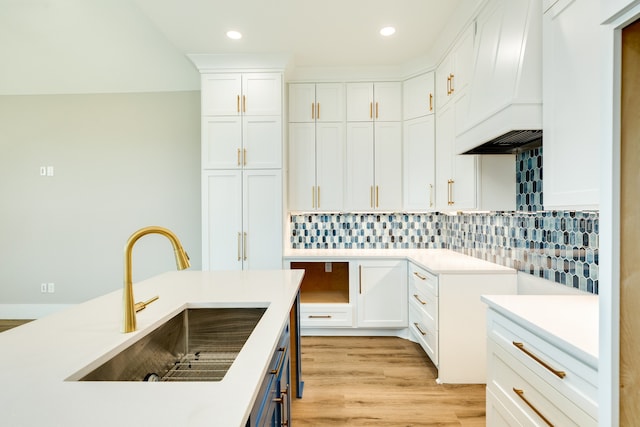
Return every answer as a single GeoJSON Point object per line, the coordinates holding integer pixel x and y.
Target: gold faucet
{"type": "Point", "coordinates": [182, 262]}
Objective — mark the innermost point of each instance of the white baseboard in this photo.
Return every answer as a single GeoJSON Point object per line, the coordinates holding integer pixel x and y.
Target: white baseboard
{"type": "Point", "coordinates": [29, 311]}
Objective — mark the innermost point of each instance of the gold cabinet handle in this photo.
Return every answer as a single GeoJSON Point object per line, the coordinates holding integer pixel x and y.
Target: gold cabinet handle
{"type": "Point", "coordinates": [244, 157]}
{"type": "Point", "coordinates": [430, 102]}
{"type": "Point", "coordinates": [360, 279]}
{"type": "Point", "coordinates": [451, 84]}
{"type": "Point", "coordinates": [376, 110]}
{"type": "Point", "coordinates": [318, 111]}
{"type": "Point", "coordinates": [419, 276]}
{"type": "Point", "coordinates": [281, 364]}
{"type": "Point", "coordinates": [371, 196]}
{"type": "Point", "coordinates": [371, 110]}
{"type": "Point", "coordinates": [244, 103]}
{"type": "Point", "coordinates": [313, 111]}
{"type": "Point", "coordinates": [239, 246]}
{"type": "Point", "coordinates": [557, 373]}
{"type": "Point", "coordinates": [238, 157]}
{"type": "Point", "coordinates": [430, 195]}
{"type": "Point", "coordinates": [419, 328]}
{"type": "Point", "coordinates": [318, 197]}
{"type": "Point", "coordinates": [450, 192]}
{"type": "Point", "coordinates": [313, 197]}
{"type": "Point", "coordinates": [244, 246]}
{"type": "Point", "coordinates": [238, 103]}
{"type": "Point", "coordinates": [416, 296]}
{"type": "Point", "coordinates": [520, 394]}
{"type": "Point", "coordinates": [318, 316]}
{"type": "Point", "coordinates": [377, 197]}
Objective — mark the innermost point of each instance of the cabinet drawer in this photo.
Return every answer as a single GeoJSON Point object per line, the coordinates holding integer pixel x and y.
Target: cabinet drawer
{"type": "Point", "coordinates": [526, 396]}
{"type": "Point", "coordinates": [422, 279]}
{"type": "Point", "coordinates": [424, 331]}
{"type": "Point", "coordinates": [580, 381]}
{"type": "Point", "coordinates": [426, 302]}
{"type": "Point", "coordinates": [321, 315]}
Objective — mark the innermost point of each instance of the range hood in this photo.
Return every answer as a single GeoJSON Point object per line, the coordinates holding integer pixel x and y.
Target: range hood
{"type": "Point", "coordinates": [503, 112]}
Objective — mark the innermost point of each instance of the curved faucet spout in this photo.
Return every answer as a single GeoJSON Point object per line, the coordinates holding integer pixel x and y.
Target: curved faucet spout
{"type": "Point", "coordinates": [182, 262]}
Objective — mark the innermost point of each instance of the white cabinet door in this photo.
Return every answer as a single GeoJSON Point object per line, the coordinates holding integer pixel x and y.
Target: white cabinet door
{"type": "Point", "coordinates": [360, 167]}
{"type": "Point", "coordinates": [388, 166]}
{"type": "Point", "coordinates": [387, 101]}
{"type": "Point", "coordinates": [221, 142]}
{"type": "Point", "coordinates": [222, 220]}
{"type": "Point", "coordinates": [262, 220]}
{"type": "Point", "coordinates": [330, 166]}
{"type": "Point", "coordinates": [455, 71]}
{"type": "Point", "coordinates": [221, 94]}
{"type": "Point", "coordinates": [418, 96]}
{"type": "Point", "coordinates": [242, 225]}
{"type": "Point", "coordinates": [382, 294]}
{"type": "Point", "coordinates": [360, 102]}
{"type": "Point", "coordinates": [302, 166]}
{"type": "Point", "coordinates": [302, 102]}
{"type": "Point", "coordinates": [571, 118]}
{"type": "Point", "coordinates": [262, 142]}
{"type": "Point", "coordinates": [330, 102]}
{"type": "Point", "coordinates": [419, 163]}
{"type": "Point", "coordinates": [262, 94]}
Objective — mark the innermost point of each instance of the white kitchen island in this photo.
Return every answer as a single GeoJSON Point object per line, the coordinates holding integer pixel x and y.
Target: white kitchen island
{"type": "Point", "coordinates": [39, 359]}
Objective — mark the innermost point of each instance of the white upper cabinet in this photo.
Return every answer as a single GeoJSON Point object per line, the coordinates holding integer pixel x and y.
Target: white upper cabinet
{"type": "Point", "coordinates": [454, 72]}
{"type": "Point", "coordinates": [505, 93]}
{"type": "Point", "coordinates": [419, 163]}
{"type": "Point", "coordinates": [418, 96]}
{"type": "Point", "coordinates": [374, 102]}
{"type": "Point", "coordinates": [242, 94]}
{"type": "Point", "coordinates": [316, 102]}
{"type": "Point", "coordinates": [571, 117]}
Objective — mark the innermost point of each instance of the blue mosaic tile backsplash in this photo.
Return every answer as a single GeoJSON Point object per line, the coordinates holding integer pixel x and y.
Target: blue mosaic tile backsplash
{"type": "Point", "coordinates": [561, 246]}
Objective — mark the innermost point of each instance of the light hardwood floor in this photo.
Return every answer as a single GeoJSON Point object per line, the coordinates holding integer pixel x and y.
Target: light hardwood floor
{"type": "Point", "coordinates": [379, 381]}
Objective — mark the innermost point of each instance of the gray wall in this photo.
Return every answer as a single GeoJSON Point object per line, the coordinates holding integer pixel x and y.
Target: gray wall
{"type": "Point", "coordinates": [122, 161]}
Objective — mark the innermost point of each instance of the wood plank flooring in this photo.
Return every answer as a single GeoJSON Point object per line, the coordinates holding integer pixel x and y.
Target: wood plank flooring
{"type": "Point", "coordinates": [379, 381]}
{"type": "Point", "coordinates": [8, 324]}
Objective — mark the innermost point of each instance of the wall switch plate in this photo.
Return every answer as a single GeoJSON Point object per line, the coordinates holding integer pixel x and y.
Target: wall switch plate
{"type": "Point", "coordinates": [51, 287]}
{"type": "Point", "coordinates": [43, 288]}
{"type": "Point", "coordinates": [43, 171]}
{"type": "Point", "coordinates": [328, 267]}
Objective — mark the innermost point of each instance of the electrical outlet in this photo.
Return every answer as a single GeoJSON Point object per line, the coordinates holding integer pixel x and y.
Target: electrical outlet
{"type": "Point", "coordinates": [43, 171]}
{"type": "Point", "coordinates": [51, 287]}
{"type": "Point", "coordinates": [328, 267]}
{"type": "Point", "coordinates": [49, 170]}
{"type": "Point", "coordinates": [43, 288]}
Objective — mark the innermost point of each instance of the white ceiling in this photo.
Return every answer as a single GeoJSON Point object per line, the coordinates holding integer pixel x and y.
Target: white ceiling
{"type": "Point", "coordinates": [80, 46]}
{"type": "Point", "coordinates": [325, 33]}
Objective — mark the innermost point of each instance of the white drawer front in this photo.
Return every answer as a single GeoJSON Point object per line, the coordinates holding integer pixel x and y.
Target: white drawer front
{"type": "Point", "coordinates": [526, 396]}
{"type": "Point", "coordinates": [422, 279]}
{"type": "Point", "coordinates": [326, 315]}
{"type": "Point", "coordinates": [580, 381]}
{"type": "Point", "coordinates": [424, 331]}
{"type": "Point", "coordinates": [425, 302]}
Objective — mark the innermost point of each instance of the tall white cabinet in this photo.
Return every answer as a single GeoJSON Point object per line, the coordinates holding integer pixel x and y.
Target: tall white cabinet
{"type": "Point", "coordinates": [374, 146]}
{"type": "Point", "coordinates": [242, 191]}
{"type": "Point", "coordinates": [316, 146]}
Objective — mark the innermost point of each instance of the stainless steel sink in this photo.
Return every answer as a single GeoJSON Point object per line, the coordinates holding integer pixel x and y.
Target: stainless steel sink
{"type": "Point", "coordinates": [198, 344]}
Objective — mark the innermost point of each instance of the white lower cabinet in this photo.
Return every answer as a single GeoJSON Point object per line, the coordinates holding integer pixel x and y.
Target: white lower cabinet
{"type": "Point", "coordinates": [534, 382]}
{"type": "Point", "coordinates": [382, 294]}
{"type": "Point", "coordinates": [242, 219]}
{"type": "Point", "coordinates": [447, 319]}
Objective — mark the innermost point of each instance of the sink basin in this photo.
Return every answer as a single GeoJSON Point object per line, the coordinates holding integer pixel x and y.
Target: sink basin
{"type": "Point", "coordinates": [198, 344]}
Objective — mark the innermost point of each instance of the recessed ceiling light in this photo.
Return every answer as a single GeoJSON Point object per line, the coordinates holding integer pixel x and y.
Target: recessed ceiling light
{"type": "Point", "coordinates": [387, 31]}
{"type": "Point", "coordinates": [235, 35]}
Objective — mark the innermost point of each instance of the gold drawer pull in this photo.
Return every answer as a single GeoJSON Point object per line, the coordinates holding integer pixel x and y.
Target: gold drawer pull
{"type": "Point", "coordinates": [520, 346]}
{"type": "Point", "coordinates": [416, 296]}
{"type": "Point", "coordinates": [419, 276]}
{"type": "Point", "coordinates": [318, 316]}
{"type": "Point", "coordinates": [520, 394]}
{"type": "Point", "coordinates": [419, 328]}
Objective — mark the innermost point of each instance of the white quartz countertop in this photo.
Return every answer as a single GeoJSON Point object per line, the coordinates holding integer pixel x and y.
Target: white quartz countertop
{"type": "Point", "coordinates": [437, 261]}
{"type": "Point", "coordinates": [567, 321]}
{"type": "Point", "coordinates": [37, 358]}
